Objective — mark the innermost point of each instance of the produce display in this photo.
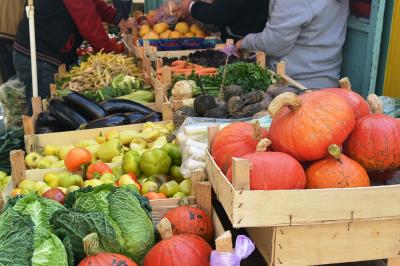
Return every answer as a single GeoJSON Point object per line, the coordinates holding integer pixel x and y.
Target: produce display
{"type": "Point", "coordinates": [4, 180]}
{"type": "Point", "coordinates": [185, 68]}
{"type": "Point", "coordinates": [86, 49]}
{"type": "Point", "coordinates": [76, 111]}
{"type": "Point", "coordinates": [206, 58]}
{"type": "Point", "coordinates": [163, 30]}
{"type": "Point", "coordinates": [310, 129]}
{"type": "Point", "coordinates": [103, 76]}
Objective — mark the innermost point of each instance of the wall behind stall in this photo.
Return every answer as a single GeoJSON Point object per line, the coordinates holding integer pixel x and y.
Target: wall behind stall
{"type": "Point", "coordinates": [392, 70]}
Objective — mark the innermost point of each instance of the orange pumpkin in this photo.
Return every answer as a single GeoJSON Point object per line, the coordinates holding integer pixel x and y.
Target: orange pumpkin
{"type": "Point", "coordinates": [356, 101]}
{"type": "Point", "coordinates": [375, 143]}
{"type": "Point", "coordinates": [304, 126]}
{"type": "Point", "coordinates": [95, 257]}
{"type": "Point", "coordinates": [236, 140]}
{"type": "Point", "coordinates": [337, 171]}
{"type": "Point", "coordinates": [178, 250]}
{"type": "Point", "coordinates": [190, 220]}
{"type": "Point", "coordinates": [273, 171]}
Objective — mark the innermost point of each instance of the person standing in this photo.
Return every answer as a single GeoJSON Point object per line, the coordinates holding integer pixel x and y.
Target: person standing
{"type": "Point", "coordinates": [235, 18]}
{"type": "Point", "coordinates": [11, 12]}
{"type": "Point", "coordinates": [61, 26]}
{"type": "Point", "coordinates": [124, 7]}
{"type": "Point", "coordinates": [308, 36]}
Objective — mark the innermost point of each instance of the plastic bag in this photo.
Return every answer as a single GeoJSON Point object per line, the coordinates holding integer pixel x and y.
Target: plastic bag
{"type": "Point", "coordinates": [192, 137]}
{"type": "Point", "coordinates": [13, 102]}
{"type": "Point", "coordinates": [391, 106]}
{"type": "Point", "coordinates": [243, 248]}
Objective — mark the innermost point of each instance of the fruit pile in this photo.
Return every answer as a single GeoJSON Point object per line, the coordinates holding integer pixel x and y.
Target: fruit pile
{"type": "Point", "coordinates": [163, 31]}
{"type": "Point", "coordinates": [4, 180]}
{"type": "Point", "coordinates": [142, 160]}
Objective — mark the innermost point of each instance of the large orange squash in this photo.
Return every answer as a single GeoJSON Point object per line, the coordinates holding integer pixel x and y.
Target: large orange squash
{"type": "Point", "coordinates": [273, 171]}
{"type": "Point", "coordinates": [304, 126]}
{"type": "Point", "coordinates": [375, 143]}
{"type": "Point", "coordinates": [337, 171]}
{"type": "Point", "coordinates": [236, 140]}
{"type": "Point", "coordinates": [178, 250]}
{"type": "Point", "coordinates": [95, 257]}
{"type": "Point", "coordinates": [190, 220]}
{"type": "Point", "coordinates": [355, 100]}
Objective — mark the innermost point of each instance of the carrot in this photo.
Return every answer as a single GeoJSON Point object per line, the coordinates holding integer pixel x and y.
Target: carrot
{"type": "Point", "coordinates": [179, 63]}
{"type": "Point", "coordinates": [205, 71]}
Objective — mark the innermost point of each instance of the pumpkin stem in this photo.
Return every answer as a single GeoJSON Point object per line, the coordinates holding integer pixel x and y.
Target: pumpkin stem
{"type": "Point", "coordinates": [375, 104]}
{"type": "Point", "coordinates": [288, 99]}
{"type": "Point", "coordinates": [165, 228]}
{"type": "Point", "coordinates": [263, 145]}
{"type": "Point", "coordinates": [257, 130]}
{"type": "Point", "coordinates": [91, 244]}
{"type": "Point", "coordinates": [334, 151]}
{"type": "Point", "coordinates": [345, 83]}
{"type": "Point", "coordinates": [184, 201]}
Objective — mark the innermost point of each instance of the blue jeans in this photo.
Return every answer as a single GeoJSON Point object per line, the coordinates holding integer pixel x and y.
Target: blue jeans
{"type": "Point", "coordinates": [45, 73]}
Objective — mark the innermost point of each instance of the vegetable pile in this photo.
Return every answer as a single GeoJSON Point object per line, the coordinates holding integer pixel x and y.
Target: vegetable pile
{"type": "Point", "coordinates": [95, 76]}
{"type": "Point", "coordinates": [44, 232]}
{"type": "Point", "coordinates": [4, 180]}
{"type": "Point", "coordinates": [207, 58]}
{"type": "Point", "coordinates": [75, 111]}
{"type": "Point", "coordinates": [144, 161]}
{"type": "Point", "coordinates": [310, 129]}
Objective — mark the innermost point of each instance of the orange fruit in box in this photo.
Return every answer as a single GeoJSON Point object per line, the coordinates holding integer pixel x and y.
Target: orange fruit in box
{"type": "Point", "coordinates": [182, 27]}
{"type": "Point", "coordinates": [175, 35]}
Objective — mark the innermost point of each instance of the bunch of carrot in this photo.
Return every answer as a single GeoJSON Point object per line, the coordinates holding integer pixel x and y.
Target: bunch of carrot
{"type": "Point", "coordinates": [181, 67]}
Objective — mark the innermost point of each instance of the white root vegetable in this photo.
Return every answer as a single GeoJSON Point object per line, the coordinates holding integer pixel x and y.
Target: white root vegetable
{"type": "Point", "coordinates": [195, 130]}
{"type": "Point", "coordinates": [196, 144]}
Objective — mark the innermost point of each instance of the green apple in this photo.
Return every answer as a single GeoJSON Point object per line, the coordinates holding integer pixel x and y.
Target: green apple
{"type": "Point", "coordinates": [112, 135]}
{"type": "Point", "coordinates": [117, 159]}
{"type": "Point", "coordinates": [149, 186]}
{"type": "Point", "coordinates": [27, 185]}
{"type": "Point", "coordinates": [58, 164]}
{"type": "Point", "coordinates": [179, 195]}
{"type": "Point", "coordinates": [44, 164]}
{"type": "Point", "coordinates": [64, 150]}
{"type": "Point", "coordinates": [125, 180]}
{"type": "Point", "coordinates": [93, 150]}
{"type": "Point", "coordinates": [186, 187]}
{"type": "Point", "coordinates": [52, 179]}
{"type": "Point", "coordinates": [2, 174]}
{"type": "Point", "coordinates": [71, 180]}
{"type": "Point", "coordinates": [51, 158]}
{"type": "Point", "coordinates": [63, 189]}
{"type": "Point", "coordinates": [108, 150]}
{"type": "Point", "coordinates": [32, 159]}
{"type": "Point", "coordinates": [72, 189]}
{"type": "Point", "coordinates": [108, 178]}
{"type": "Point", "coordinates": [93, 183]}
{"type": "Point", "coordinates": [127, 136]}
{"type": "Point", "coordinates": [169, 188]}
{"type": "Point", "coordinates": [49, 150]}
{"type": "Point", "coordinates": [39, 185]}
{"type": "Point", "coordinates": [44, 189]}
{"type": "Point", "coordinates": [86, 143]}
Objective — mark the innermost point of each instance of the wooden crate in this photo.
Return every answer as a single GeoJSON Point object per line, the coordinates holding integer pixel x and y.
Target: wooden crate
{"type": "Point", "coordinates": [33, 141]}
{"type": "Point", "coordinates": [311, 227]}
{"type": "Point", "coordinates": [160, 207]}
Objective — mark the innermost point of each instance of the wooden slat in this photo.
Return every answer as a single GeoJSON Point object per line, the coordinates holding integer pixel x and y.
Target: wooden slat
{"type": "Point", "coordinates": [29, 125]}
{"type": "Point", "coordinates": [296, 207]}
{"type": "Point", "coordinates": [203, 197]}
{"type": "Point", "coordinates": [218, 227]}
{"type": "Point", "coordinates": [223, 243]}
{"type": "Point", "coordinates": [161, 207]}
{"type": "Point", "coordinates": [264, 239]}
{"type": "Point", "coordinates": [393, 262]}
{"type": "Point", "coordinates": [336, 243]}
{"type": "Point", "coordinates": [224, 190]}
{"type": "Point", "coordinates": [240, 174]}
{"type": "Point", "coordinates": [17, 160]}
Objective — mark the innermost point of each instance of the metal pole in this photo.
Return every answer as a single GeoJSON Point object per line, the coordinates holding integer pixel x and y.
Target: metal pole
{"type": "Point", "coordinates": [30, 12]}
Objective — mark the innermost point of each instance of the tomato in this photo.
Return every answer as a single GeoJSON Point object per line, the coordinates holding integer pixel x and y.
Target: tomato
{"type": "Point", "coordinates": [95, 170]}
{"type": "Point", "coordinates": [77, 157]}
{"type": "Point", "coordinates": [134, 177]}
{"type": "Point", "coordinates": [155, 196]}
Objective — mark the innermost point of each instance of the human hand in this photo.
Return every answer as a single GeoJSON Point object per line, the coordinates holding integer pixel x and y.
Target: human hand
{"type": "Point", "coordinates": [238, 46]}
{"type": "Point", "coordinates": [181, 10]}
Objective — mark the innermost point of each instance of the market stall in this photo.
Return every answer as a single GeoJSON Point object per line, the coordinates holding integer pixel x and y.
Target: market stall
{"type": "Point", "coordinates": [148, 155]}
